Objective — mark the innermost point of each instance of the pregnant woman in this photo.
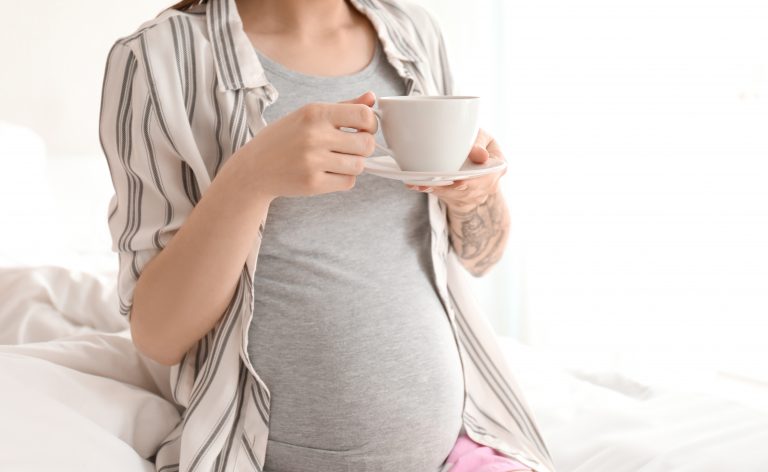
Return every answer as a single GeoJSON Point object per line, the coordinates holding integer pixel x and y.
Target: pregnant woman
{"type": "Point", "coordinates": [314, 317]}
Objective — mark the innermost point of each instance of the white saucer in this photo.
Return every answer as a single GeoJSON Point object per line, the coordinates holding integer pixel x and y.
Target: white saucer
{"type": "Point", "coordinates": [385, 166]}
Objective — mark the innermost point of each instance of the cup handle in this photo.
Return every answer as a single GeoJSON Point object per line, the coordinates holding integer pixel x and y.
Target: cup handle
{"type": "Point", "coordinates": [377, 112]}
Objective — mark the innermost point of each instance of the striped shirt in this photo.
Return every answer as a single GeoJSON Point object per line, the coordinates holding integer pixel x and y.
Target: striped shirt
{"type": "Point", "coordinates": [180, 96]}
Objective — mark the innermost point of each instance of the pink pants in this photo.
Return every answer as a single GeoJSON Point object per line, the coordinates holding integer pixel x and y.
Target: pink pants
{"type": "Point", "coordinates": [469, 456]}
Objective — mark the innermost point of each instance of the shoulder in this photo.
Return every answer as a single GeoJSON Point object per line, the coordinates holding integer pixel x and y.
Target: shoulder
{"type": "Point", "coordinates": [166, 25]}
{"type": "Point", "coordinates": [159, 42]}
{"type": "Point", "coordinates": [160, 71]}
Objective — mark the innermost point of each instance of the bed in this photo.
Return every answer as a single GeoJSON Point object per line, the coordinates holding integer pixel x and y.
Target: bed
{"type": "Point", "coordinates": [76, 395]}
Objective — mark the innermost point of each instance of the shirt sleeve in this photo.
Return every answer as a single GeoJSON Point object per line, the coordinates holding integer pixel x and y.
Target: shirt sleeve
{"type": "Point", "coordinates": [154, 190]}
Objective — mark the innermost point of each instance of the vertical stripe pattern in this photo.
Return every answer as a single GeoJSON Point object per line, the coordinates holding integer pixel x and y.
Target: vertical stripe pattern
{"type": "Point", "coordinates": [125, 140]}
{"type": "Point", "coordinates": [180, 96]}
{"type": "Point", "coordinates": [156, 176]}
{"type": "Point", "coordinates": [489, 371]}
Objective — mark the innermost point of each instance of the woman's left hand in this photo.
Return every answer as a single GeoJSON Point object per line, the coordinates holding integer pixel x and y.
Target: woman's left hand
{"type": "Point", "coordinates": [468, 194]}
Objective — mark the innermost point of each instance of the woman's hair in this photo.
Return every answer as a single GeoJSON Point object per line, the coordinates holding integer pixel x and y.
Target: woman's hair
{"type": "Point", "coordinates": [184, 4]}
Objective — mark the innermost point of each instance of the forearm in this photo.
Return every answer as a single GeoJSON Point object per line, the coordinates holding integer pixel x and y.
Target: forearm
{"type": "Point", "coordinates": [184, 291]}
{"type": "Point", "coordinates": [479, 233]}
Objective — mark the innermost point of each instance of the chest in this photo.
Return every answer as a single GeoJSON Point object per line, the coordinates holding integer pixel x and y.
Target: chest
{"type": "Point", "coordinates": [296, 89]}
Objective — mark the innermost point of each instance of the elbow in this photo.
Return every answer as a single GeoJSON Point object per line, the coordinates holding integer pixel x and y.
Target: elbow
{"type": "Point", "coordinates": [151, 346]}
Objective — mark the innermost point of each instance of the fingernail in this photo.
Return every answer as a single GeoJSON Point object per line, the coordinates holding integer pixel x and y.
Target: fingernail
{"type": "Point", "coordinates": [462, 187]}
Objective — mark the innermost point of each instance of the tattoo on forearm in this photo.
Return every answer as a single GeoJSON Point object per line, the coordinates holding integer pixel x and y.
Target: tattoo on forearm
{"type": "Point", "coordinates": [493, 255]}
{"type": "Point", "coordinates": [480, 233]}
{"type": "Point", "coordinates": [495, 210]}
{"type": "Point", "coordinates": [473, 235]}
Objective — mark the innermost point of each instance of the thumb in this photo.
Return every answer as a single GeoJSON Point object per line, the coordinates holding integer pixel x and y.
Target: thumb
{"type": "Point", "coordinates": [478, 154]}
{"type": "Point", "coordinates": [368, 98]}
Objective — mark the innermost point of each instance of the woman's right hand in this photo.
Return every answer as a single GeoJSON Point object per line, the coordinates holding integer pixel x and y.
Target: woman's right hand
{"type": "Point", "coordinates": [306, 152]}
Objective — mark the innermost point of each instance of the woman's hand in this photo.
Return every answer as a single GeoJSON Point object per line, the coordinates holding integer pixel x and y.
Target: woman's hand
{"type": "Point", "coordinates": [464, 195]}
{"type": "Point", "coordinates": [477, 213]}
{"type": "Point", "coordinates": [306, 152]}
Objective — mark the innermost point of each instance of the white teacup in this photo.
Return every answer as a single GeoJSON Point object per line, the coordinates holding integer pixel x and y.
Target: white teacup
{"type": "Point", "coordinates": [429, 133]}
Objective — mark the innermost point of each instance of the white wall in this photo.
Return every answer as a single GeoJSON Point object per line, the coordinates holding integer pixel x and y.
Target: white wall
{"type": "Point", "coordinates": [53, 55]}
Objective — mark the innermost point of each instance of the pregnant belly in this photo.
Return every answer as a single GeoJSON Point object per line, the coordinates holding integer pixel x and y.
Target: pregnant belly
{"type": "Point", "coordinates": [364, 380]}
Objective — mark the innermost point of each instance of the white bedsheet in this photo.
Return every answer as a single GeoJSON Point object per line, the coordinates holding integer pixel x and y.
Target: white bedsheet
{"type": "Point", "coordinates": [76, 395]}
{"type": "Point", "coordinates": [611, 421]}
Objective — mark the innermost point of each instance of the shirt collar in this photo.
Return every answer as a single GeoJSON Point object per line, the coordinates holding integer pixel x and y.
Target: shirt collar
{"type": "Point", "coordinates": [238, 66]}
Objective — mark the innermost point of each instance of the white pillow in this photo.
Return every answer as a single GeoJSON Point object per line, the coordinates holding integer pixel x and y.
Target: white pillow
{"type": "Point", "coordinates": [24, 193]}
{"type": "Point", "coordinates": [53, 208]}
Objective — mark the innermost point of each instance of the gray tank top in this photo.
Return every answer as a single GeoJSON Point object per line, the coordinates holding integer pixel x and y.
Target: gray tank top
{"type": "Point", "coordinates": [348, 331]}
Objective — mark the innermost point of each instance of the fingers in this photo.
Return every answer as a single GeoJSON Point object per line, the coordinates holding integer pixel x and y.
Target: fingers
{"type": "Point", "coordinates": [478, 154]}
{"type": "Point", "coordinates": [334, 182]}
{"type": "Point", "coordinates": [493, 147]}
{"type": "Point", "coordinates": [344, 164]}
{"type": "Point", "coordinates": [483, 138]}
{"type": "Point", "coordinates": [468, 196]}
{"type": "Point", "coordinates": [368, 99]}
{"type": "Point", "coordinates": [359, 144]}
{"type": "Point", "coordinates": [467, 192]}
{"type": "Point", "coordinates": [488, 147]}
{"type": "Point", "coordinates": [349, 115]}
{"type": "Point", "coordinates": [495, 150]}
{"type": "Point", "coordinates": [359, 116]}
{"type": "Point", "coordinates": [455, 186]}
